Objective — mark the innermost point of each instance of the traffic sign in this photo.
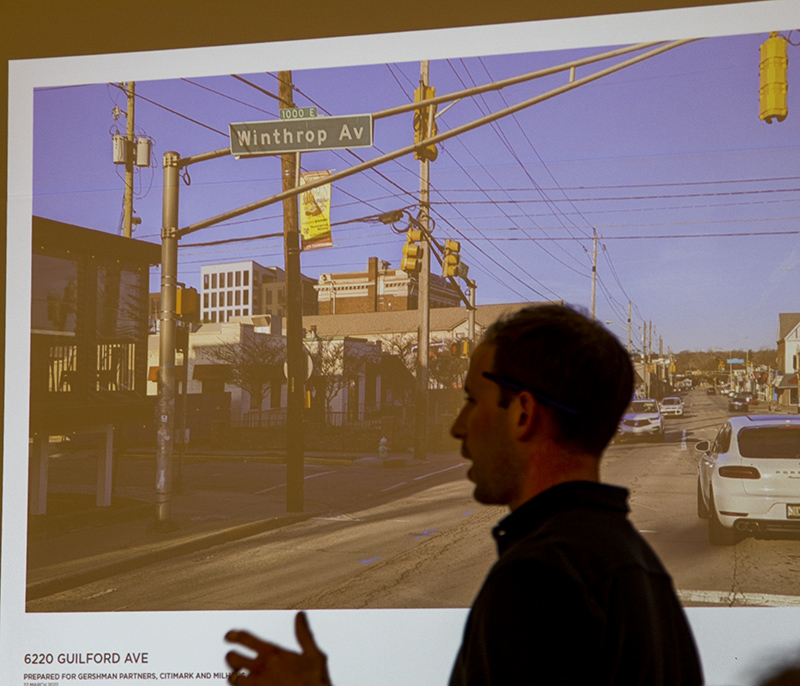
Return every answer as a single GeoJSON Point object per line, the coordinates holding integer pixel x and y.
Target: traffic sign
{"type": "Point", "coordinates": [300, 135]}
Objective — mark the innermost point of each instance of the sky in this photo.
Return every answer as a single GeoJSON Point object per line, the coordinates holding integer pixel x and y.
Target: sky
{"type": "Point", "coordinates": [695, 201]}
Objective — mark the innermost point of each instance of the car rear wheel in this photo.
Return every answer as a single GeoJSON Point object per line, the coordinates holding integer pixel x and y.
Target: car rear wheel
{"type": "Point", "coordinates": [718, 534]}
{"type": "Point", "coordinates": [702, 510]}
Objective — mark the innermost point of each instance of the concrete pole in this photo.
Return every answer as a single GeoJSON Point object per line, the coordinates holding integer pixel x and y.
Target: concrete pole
{"type": "Point", "coordinates": [423, 300]}
{"type": "Point", "coordinates": [166, 371]}
{"type": "Point", "coordinates": [594, 274]}
{"type": "Point", "coordinates": [127, 214]}
{"type": "Point", "coordinates": [295, 358]}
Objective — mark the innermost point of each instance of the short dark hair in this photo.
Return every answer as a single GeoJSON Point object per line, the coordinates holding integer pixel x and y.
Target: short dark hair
{"type": "Point", "coordinates": [571, 360]}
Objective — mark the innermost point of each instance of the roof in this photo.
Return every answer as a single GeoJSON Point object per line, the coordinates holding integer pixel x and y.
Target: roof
{"type": "Point", "coordinates": [49, 234]}
{"type": "Point", "coordinates": [442, 319]}
{"type": "Point", "coordinates": [787, 321]}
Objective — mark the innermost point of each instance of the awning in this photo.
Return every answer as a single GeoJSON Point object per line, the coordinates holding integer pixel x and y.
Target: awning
{"type": "Point", "coordinates": [211, 372]}
{"type": "Point", "coordinates": [787, 381]}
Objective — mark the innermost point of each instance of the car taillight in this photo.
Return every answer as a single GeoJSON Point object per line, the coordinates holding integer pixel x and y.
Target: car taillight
{"type": "Point", "coordinates": [740, 472]}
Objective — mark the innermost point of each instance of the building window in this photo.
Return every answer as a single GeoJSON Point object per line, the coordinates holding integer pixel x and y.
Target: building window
{"type": "Point", "coordinates": [213, 317]}
{"type": "Point", "coordinates": [238, 297]}
{"type": "Point", "coordinates": [247, 278]}
{"type": "Point", "coordinates": [230, 279]}
{"type": "Point", "coordinates": [213, 281]}
{"type": "Point", "coordinates": [237, 313]}
{"type": "Point", "coordinates": [205, 282]}
{"type": "Point", "coordinates": [238, 279]}
{"type": "Point", "coordinates": [269, 297]}
{"type": "Point", "coordinates": [205, 300]}
{"type": "Point", "coordinates": [213, 300]}
{"type": "Point", "coordinates": [246, 297]}
{"type": "Point", "coordinates": [245, 312]}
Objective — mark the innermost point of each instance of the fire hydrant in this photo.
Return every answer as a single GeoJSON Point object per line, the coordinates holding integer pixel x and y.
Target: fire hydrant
{"type": "Point", "coordinates": [383, 448]}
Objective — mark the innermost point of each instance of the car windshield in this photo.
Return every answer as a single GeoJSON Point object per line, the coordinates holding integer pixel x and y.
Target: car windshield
{"type": "Point", "coordinates": [672, 401]}
{"type": "Point", "coordinates": [640, 406]}
{"type": "Point", "coordinates": [782, 442]}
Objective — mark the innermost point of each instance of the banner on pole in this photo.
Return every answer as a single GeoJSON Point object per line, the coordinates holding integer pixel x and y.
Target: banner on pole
{"type": "Point", "coordinates": [315, 212]}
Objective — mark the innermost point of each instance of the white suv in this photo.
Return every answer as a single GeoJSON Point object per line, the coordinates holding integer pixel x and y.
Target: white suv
{"type": "Point", "coordinates": [749, 477]}
{"type": "Point", "coordinates": [672, 405]}
{"type": "Point", "coordinates": [642, 418]}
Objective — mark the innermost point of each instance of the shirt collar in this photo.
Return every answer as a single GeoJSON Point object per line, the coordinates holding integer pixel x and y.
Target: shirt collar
{"type": "Point", "coordinates": [566, 496]}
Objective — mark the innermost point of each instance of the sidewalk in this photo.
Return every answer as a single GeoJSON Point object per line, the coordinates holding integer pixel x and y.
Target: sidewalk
{"type": "Point", "coordinates": [78, 542]}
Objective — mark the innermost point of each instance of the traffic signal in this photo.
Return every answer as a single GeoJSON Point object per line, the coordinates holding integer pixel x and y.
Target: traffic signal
{"type": "Point", "coordinates": [425, 124]}
{"type": "Point", "coordinates": [451, 262]}
{"type": "Point", "coordinates": [187, 303]}
{"type": "Point", "coordinates": [412, 252]}
{"type": "Point", "coordinates": [773, 68]}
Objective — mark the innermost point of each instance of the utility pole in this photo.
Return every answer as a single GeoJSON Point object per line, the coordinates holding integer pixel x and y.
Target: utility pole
{"type": "Point", "coordinates": [295, 458]}
{"type": "Point", "coordinates": [472, 286]}
{"type": "Point", "coordinates": [594, 272]}
{"type": "Point", "coordinates": [166, 375]}
{"type": "Point", "coordinates": [423, 300]}
{"type": "Point", "coordinates": [127, 225]}
{"type": "Point", "coordinates": [629, 328]}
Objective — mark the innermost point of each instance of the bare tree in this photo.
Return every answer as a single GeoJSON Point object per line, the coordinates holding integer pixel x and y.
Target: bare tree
{"type": "Point", "coordinates": [447, 369]}
{"type": "Point", "coordinates": [255, 363]}
{"type": "Point", "coordinates": [404, 346]}
{"type": "Point", "coordinates": [338, 362]}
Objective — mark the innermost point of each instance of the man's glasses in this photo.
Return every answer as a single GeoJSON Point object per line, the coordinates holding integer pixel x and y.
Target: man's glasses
{"type": "Point", "coordinates": [541, 397]}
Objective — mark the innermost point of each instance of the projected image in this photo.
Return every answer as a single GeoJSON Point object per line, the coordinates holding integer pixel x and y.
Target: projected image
{"type": "Point", "coordinates": [255, 297]}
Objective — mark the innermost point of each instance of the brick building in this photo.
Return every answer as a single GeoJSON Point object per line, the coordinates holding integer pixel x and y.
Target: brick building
{"type": "Point", "coordinates": [379, 289]}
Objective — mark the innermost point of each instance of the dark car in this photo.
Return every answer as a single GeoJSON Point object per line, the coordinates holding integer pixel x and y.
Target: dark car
{"type": "Point", "coordinates": [738, 403]}
{"type": "Point", "coordinates": [711, 390]}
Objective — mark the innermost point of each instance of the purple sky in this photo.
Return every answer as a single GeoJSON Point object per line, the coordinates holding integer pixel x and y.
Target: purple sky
{"type": "Point", "coordinates": [695, 200]}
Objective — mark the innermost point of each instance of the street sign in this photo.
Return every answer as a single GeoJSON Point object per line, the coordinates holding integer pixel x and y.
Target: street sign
{"type": "Point", "coordinates": [301, 135]}
{"type": "Point", "coordinates": [736, 360]}
{"type": "Point", "coordinates": [297, 113]}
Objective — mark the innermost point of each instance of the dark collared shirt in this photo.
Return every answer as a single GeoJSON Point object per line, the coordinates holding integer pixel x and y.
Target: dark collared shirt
{"type": "Point", "coordinates": [576, 597]}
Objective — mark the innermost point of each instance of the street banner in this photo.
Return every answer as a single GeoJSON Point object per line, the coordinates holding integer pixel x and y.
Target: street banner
{"type": "Point", "coordinates": [315, 212]}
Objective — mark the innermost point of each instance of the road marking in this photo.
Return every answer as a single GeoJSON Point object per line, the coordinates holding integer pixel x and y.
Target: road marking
{"type": "Point", "coordinates": [729, 598]}
{"type": "Point", "coordinates": [309, 476]}
{"type": "Point", "coordinates": [391, 488]}
{"type": "Point", "coordinates": [371, 559]}
{"type": "Point", "coordinates": [441, 471]}
{"type": "Point", "coordinates": [683, 441]}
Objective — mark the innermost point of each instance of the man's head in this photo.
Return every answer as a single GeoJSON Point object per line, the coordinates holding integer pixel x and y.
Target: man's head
{"type": "Point", "coordinates": [545, 391]}
{"type": "Point", "coordinates": [574, 366]}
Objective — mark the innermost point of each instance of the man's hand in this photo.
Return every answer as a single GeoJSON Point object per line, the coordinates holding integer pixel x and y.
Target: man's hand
{"type": "Point", "coordinates": [275, 666]}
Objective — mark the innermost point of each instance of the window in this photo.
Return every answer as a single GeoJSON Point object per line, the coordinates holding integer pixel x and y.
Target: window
{"type": "Point", "coordinates": [54, 295]}
{"type": "Point", "coordinates": [247, 278]}
{"type": "Point", "coordinates": [205, 300]}
{"type": "Point", "coordinates": [213, 300]}
{"type": "Point", "coordinates": [238, 279]}
{"type": "Point", "coordinates": [246, 298]}
{"type": "Point", "coordinates": [238, 298]}
{"type": "Point", "coordinates": [205, 281]}
{"type": "Point", "coordinates": [213, 281]}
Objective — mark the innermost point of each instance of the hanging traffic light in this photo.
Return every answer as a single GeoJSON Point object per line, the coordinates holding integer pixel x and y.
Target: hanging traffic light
{"type": "Point", "coordinates": [425, 124]}
{"type": "Point", "coordinates": [412, 252]}
{"type": "Point", "coordinates": [773, 68]}
{"type": "Point", "coordinates": [451, 263]}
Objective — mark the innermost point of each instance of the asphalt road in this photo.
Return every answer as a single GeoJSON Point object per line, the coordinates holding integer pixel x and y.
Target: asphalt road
{"type": "Point", "coordinates": [414, 538]}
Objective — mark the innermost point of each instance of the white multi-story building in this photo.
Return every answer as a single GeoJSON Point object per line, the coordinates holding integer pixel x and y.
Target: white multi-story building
{"type": "Point", "coordinates": [242, 289]}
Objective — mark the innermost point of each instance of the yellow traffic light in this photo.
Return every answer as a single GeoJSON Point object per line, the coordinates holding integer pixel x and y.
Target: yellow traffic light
{"type": "Point", "coordinates": [425, 124]}
{"type": "Point", "coordinates": [451, 263]}
{"type": "Point", "coordinates": [773, 68]}
{"type": "Point", "coordinates": [187, 303]}
{"type": "Point", "coordinates": [412, 257]}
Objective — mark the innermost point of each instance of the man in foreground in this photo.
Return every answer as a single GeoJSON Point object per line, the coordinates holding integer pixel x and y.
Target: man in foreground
{"type": "Point", "coordinates": [577, 596]}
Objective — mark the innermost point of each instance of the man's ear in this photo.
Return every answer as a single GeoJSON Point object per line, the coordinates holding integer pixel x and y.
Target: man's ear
{"type": "Point", "coordinates": [526, 416]}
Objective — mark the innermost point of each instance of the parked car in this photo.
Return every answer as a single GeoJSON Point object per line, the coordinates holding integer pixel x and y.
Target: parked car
{"type": "Point", "coordinates": [748, 477]}
{"type": "Point", "coordinates": [672, 405]}
{"type": "Point", "coordinates": [738, 403]}
{"type": "Point", "coordinates": [642, 419]}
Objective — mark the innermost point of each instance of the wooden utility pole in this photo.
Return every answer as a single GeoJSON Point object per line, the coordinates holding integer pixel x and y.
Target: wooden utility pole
{"type": "Point", "coordinates": [127, 214]}
{"type": "Point", "coordinates": [295, 359]}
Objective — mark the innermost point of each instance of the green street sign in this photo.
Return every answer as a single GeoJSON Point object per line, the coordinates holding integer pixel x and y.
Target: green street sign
{"type": "Point", "coordinates": [249, 139]}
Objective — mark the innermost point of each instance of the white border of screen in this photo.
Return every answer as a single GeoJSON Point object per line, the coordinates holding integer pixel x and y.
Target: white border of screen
{"type": "Point", "coordinates": [367, 647]}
